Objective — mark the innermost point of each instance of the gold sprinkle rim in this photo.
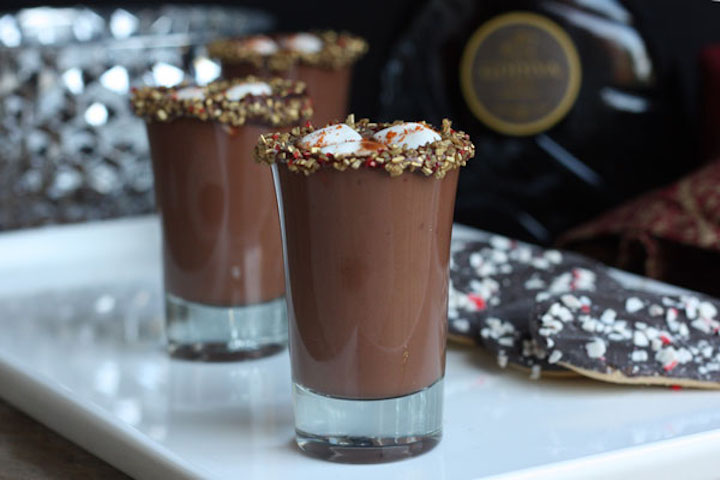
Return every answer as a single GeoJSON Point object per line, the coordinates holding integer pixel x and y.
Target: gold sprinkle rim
{"type": "Point", "coordinates": [288, 104]}
{"type": "Point", "coordinates": [339, 50]}
{"type": "Point", "coordinates": [452, 151]}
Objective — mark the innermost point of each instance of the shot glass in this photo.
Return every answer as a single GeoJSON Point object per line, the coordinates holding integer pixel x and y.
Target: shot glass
{"type": "Point", "coordinates": [221, 242]}
{"type": "Point", "coordinates": [366, 211]}
{"type": "Point", "coordinates": [323, 60]}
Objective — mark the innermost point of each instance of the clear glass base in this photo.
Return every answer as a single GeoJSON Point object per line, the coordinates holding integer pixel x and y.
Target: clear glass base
{"type": "Point", "coordinates": [212, 333]}
{"type": "Point", "coordinates": [368, 431]}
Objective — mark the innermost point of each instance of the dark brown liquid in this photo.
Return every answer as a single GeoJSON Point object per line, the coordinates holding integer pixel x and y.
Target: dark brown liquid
{"type": "Point", "coordinates": [328, 88]}
{"type": "Point", "coordinates": [368, 268]}
{"type": "Point", "coordinates": [221, 234]}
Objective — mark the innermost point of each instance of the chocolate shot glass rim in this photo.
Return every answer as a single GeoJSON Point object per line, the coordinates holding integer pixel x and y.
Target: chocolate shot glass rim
{"type": "Point", "coordinates": [287, 104]}
{"type": "Point", "coordinates": [452, 151]}
{"type": "Point", "coordinates": [340, 49]}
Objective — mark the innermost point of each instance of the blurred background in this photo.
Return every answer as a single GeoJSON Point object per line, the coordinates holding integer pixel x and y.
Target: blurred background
{"type": "Point", "coordinates": [645, 113]}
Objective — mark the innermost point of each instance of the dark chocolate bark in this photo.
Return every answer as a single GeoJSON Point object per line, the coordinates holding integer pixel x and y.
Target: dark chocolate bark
{"type": "Point", "coordinates": [633, 337]}
{"type": "Point", "coordinates": [494, 287]}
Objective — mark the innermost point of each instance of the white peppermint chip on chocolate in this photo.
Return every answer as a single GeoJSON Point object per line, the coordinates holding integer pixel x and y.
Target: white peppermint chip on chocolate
{"type": "Point", "coordinates": [555, 356]}
{"type": "Point", "coordinates": [540, 263]}
{"type": "Point", "coordinates": [330, 135]}
{"type": "Point", "coordinates": [683, 355]}
{"type": "Point", "coordinates": [551, 325]}
{"type": "Point", "coordinates": [303, 42]}
{"type": "Point", "coordinates": [497, 329]}
{"type": "Point", "coordinates": [560, 311]}
{"type": "Point", "coordinates": [639, 356]}
{"type": "Point", "coordinates": [502, 359]}
{"type": "Point", "coordinates": [501, 243]}
{"type": "Point", "coordinates": [535, 283]}
{"type": "Point", "coordinates": [571, 301]}
{"type": "Point", "coordinates": [633, 304]}
{"type": "Point", "coordinates": [462, 325]}
{"type": "Point", "coordinates": [242, 90]}
{"type": "Point", "coordinates": [596, 348]}
{"type": "Point", "coordinates": [408, 135]}
{"type": "Point", "coordinates": [608, 316]}
{"type": "Point", "coordinates": [640, 339]}
{"type": "Point", "coordinates": [691, 307]}
{"type": "Point", "coordinates": [707, 310]}
{"type": "Point", "coordinates": [553, 256]}
{"type": "Point", "coordinates": [590, 324]}
{"type": "Point", "coordinates": [190, 93]}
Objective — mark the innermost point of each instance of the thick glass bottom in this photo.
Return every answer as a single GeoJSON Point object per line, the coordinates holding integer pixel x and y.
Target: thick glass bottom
{"type": "Point", "coordinates": [368, 431]}
{"type": "Point", "coordinates": [212, 333]}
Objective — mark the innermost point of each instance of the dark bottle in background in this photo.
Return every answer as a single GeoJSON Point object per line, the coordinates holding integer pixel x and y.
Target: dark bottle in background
{"type": "Point", "coordinates": [562, 98]}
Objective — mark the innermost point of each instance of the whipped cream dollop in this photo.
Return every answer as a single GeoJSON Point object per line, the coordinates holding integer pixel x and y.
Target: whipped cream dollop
{"type": "Point", "coordinates": [190, 93]}
{"type": "Point", "coordinates": [260, 44]}
{"type": "Point", "coordinates": [242, 90]}
{"type": "Point", "coordinates": [340, 139]}
{"type": "Point", "coordinates": [408, 135]}
{"type": "Point", "coordinates": [332, 135]}
{"type": "Point", "coordinates": [302, 42]}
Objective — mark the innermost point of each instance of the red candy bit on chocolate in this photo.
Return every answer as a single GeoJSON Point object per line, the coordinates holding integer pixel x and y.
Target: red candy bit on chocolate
{"type": "Point", "coordinates": [478, 301]}
{"type": "Point", "coordinates": [296, 154]}
{"type": "Point", "coordinates": [576, 276]}
{"type": "Point", "coordinates": [308, 124]}
{"type": "Point", "coordinates": [665, 339]}
{"type": "Point", "coordinates": [275, 136]}
{"type": "Point", "coordinates": [370, 163]}
{"type": "Point", "coordinates": [670, 365]}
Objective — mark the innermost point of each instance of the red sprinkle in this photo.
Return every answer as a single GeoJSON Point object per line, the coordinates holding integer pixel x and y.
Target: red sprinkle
{"type": "Point", "coordinates": [296, 154]}
{"type": "Point", "coordinates": [573, 282]}
{"type": "Point", "coordinates": [670, 365]}
{"type": "Point", "coordinates": [370, 163]}
{"type": "Point", "coordinates": [585, 308]}
{"type": "Point", "coordinates": [675, 387]}
{"type": "Point", "coordinates": [478, 301]}
{"type": "Point", "coordinates": [275, 136]}
{"type": "Point", "coordinates": [665, 340]}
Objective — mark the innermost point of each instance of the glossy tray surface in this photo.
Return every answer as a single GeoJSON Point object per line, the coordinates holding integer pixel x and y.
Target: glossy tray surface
{"type": "Point", "coordinates": [80, 350]}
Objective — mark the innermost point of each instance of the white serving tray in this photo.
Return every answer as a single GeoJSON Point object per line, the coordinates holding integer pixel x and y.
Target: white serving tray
{"type": "Point", "coordinates": [80, 350]}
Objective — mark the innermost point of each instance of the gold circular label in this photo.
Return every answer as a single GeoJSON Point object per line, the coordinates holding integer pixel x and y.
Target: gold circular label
{"type": "Point", "coordinates": [520, 73]}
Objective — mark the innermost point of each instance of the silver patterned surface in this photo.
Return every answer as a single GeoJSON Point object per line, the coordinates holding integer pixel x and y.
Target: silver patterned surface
{"type": "Point", "coordinates": [70, 147]}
